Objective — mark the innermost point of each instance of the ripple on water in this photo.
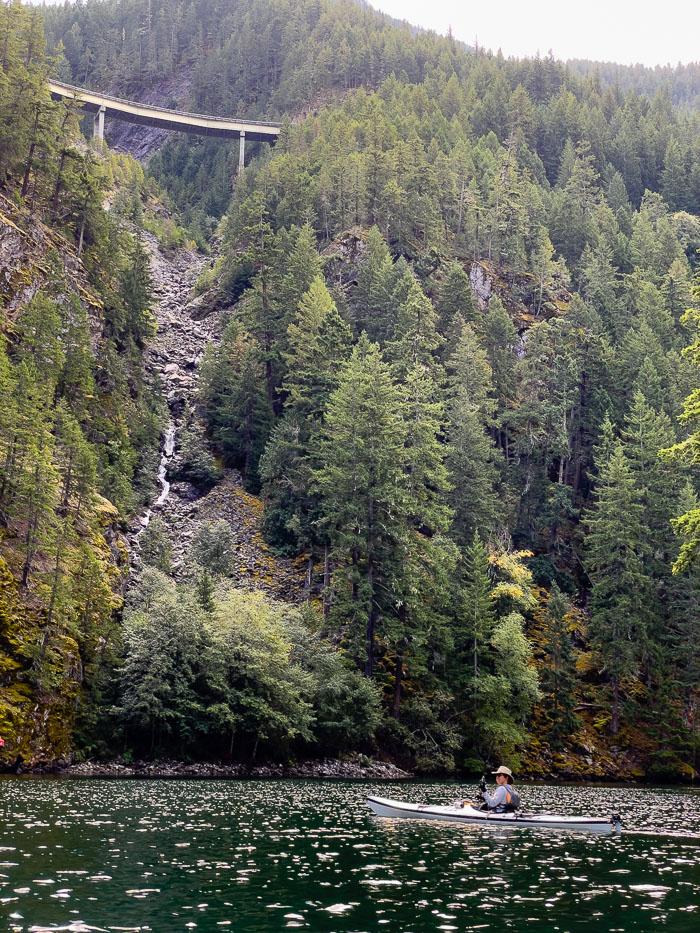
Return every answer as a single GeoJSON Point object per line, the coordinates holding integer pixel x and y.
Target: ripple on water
{"type": "Point", "coordinates": [163, 856]}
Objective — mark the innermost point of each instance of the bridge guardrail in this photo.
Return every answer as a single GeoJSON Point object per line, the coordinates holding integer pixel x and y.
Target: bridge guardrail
{"type": "Point", "coordinates": [165, 110]}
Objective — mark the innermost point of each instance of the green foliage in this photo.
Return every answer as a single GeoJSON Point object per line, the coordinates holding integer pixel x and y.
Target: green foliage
{"type": "Point", "coordinates": [365, 502]}
{"type": "Point", "coordinates": [213, 547]}
{"type": "Point", "coordinates": [197, 465]}
{"type": "Point", "coordinates": [558, 679]}
{"type": "Point", "coordinates": [615, 547]}
{"type": "Point", "coordinates": [471, 458]}
{"type": "Point", "coordinates": [688, 450]}
{"type": "Point", "coordinates": [234, 672]}
{"type": "Point", "coordinates": [164, 640]}
{"type": "Point", "coordinates": [491, 670]}
{"type": "Point", "coordinates": [77, 422]}
{"type": "Point", "coordinates": [400, 423]}
{"type": "Point", "coordinates": [233, 393]}
{"type": "Point", "coordinates": [155, 546]}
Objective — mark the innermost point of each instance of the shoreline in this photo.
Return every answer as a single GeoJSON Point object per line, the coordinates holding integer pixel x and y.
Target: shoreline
{"type": "Point", "coordinates": [354, 768]}
{"type": "Point", "coordinates": [357, 768]}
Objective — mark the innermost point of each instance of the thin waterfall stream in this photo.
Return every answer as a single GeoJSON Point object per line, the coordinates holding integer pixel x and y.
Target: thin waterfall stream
{"type": "Point", "coordinates": [167, 454]}
{"type": "Point", "coordinates": [173, 356]}
{"type": "Point", "coordinates": [168, 449]}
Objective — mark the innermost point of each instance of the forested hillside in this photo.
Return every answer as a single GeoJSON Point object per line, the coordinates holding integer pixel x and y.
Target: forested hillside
{"type": "Point", "coordinates": [680, 81]}
{"type": "Point", "coordinates": [79, 426]}
{"type": "Point", "coordinates": [459, 370]}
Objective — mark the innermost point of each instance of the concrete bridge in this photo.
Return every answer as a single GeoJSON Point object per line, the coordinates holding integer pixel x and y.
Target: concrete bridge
{"type": "Point", "coordinates": [148, 115]}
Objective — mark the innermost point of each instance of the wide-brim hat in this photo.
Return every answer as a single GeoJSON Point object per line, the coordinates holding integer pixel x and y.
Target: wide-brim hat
{"type": "Point", "coordinates": [503, 770]}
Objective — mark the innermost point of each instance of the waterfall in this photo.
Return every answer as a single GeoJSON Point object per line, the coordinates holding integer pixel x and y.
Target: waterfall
{"type": "Point", "coordinates": [166, 456]}
{"type": "Point", "coordinates": [168, 448]}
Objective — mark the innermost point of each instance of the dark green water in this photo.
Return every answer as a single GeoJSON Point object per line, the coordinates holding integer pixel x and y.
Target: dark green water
{"type": "Point", "coordinates": [249, 856]}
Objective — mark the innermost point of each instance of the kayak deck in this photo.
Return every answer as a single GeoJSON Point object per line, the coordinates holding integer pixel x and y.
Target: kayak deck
{"type": "Point", "coordinates": [465, 813]}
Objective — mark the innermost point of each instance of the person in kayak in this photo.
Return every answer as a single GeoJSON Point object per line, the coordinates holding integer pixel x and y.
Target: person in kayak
{"type": "Point", "coordinates": [505, 799]}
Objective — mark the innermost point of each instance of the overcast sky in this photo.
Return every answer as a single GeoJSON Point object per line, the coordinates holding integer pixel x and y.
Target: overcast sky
{"type": "Point", "coordinates": [623, 31]}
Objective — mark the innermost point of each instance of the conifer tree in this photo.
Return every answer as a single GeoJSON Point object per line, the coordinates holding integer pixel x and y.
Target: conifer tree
{"type": "Point", "coordinates": [370, 295]}
{"type": "Point", "coordinates": [681, 638]}
{"type": "Point", "coordinates": [474, 625]}
{"type": "Point", "coordinates": [501, 686]}
{"type": "Point", "coordinates": [302, 269]}
{"type": "Point", "coordinates": [455, 299]}
{"type": "Point", "coordinates": [427, 479]}
{"type": "Point", "coordinates": [415, 339]}
{"type": "Point", "coordinates": [136, 292]}
{"type": "Point", "coordinates": [558, 679]}
{"type": "Point", "coordinates": [362, 485]}
{"type": "Point", "coordinates": [614, 549]}
{"type": "Point", "coordinates": [233, 391]}
{"type": "Point", "coordinates": [674, 185]}
{"type": "Point", "coordinates": [318, 341]}
{"type": "Point", "coordinates": [645, 433]}
{"type": "Point", "coordinates": [470, 454]}
{"type": "Point", "coordinates": [500, 339]}
{"type": "Point", "coordinates": [205, 592]}
{"type": "Point", "coordinates": [260, 310]}
{"type": "Point", "coordinates": [688, 451]}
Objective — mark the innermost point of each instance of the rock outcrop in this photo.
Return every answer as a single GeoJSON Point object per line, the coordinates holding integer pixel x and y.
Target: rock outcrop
{"type": "Point", "coordinates": [142, 141]}
{"type": "Point", "coordinates": [175, 355]}
{"type": "Point", "coordinates": [354, 766]}
{"type": "Point", "coordinates": [33, 255]}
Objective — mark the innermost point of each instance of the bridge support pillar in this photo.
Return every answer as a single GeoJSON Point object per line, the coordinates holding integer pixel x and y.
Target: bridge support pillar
{"type": "Point", "coordinates": [241, 152]}
{"type": "Point", "coordinates": [98, 126]}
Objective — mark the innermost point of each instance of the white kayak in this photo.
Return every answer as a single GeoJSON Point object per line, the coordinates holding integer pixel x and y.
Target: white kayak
{"type": "Point", "coordinates": [466, 813]}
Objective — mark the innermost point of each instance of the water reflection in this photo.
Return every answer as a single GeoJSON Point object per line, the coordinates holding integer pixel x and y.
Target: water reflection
{"type": "Point", "coordinates": [175, 855]}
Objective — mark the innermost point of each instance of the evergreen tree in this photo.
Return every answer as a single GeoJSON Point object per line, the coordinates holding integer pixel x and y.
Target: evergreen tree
{"type": "Point", "coordinates": [688, 451]}
{"type": "Point", "coordinates": [233, 391]}
{"type": "Point", "coordinates": [474, 625]}
{"type": "Point", "coordinates": [364, 500]}
{"type": "Point", "coordinates": [615, 553]}
{"type": "Point", "coordinates": [155, 546]}
{"type": "Point", "coordinates": [470, 454]}
{"type": "Point", "coordinates": [318, 341]}
{"type": "Point", "coordinates": [302, 270]}
{"type": "Point", "coordinates": [558, 678]}
{"type": "Point", "coordinates": [260, 310]}
{"type": "Point", "coordinates": [136, 293]}
{"type": "Point", "coordinates": [500, 339]}
{"type": "Point", "coordinates": [370, 296]}
{"type": "Point", "coordinates": [415, 338]}
{"type": "Point", "coordinates": [455, 299]}
{"type": "Point", "coordinates": [681, 639]}
{"type": "Point", "coordinates": [674, 185]}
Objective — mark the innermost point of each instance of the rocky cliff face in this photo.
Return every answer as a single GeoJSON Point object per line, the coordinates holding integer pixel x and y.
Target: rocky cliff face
{"type": "Point", "coordinates": [31, 255]}
{"type": "Point", "coordinates": [174, 355]}
{"type": "Point", "coordinates": [142, 141]}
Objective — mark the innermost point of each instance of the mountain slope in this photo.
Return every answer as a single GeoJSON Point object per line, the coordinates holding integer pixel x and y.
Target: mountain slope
{"type": "Point", "coordinates": [452, 306]}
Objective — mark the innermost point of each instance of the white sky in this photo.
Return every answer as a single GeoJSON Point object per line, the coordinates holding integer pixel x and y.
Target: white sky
{"type": "Point", "coordinates": [623, 31]}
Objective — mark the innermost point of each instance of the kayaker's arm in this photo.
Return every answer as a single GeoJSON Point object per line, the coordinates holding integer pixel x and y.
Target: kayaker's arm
{"type": "Point", "coordinates": [497, 798]}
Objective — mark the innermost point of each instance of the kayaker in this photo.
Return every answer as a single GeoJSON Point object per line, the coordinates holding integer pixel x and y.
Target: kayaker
{"type": "Point", "coordinates": [505, 798]}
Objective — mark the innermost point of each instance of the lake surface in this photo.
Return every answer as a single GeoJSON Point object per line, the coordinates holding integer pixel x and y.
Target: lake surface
{"type": "Point", "coordinates": [266, 856]}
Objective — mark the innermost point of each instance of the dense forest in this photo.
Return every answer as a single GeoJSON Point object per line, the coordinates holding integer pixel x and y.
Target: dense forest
{"type": "Point", "coordinates": [460, 371]}
{"type": "Point", "coordinates": [79, 426]}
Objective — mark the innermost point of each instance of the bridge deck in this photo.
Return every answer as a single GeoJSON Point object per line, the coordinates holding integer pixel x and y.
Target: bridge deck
{"type": "Point", "coordinates": [148, 115]}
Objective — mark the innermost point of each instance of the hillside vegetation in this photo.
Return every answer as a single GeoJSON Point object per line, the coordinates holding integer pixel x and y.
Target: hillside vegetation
{"type": "Point", "coordinates": [458, 293]}
{"type": "Point", "coordinates": [78, 424]}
